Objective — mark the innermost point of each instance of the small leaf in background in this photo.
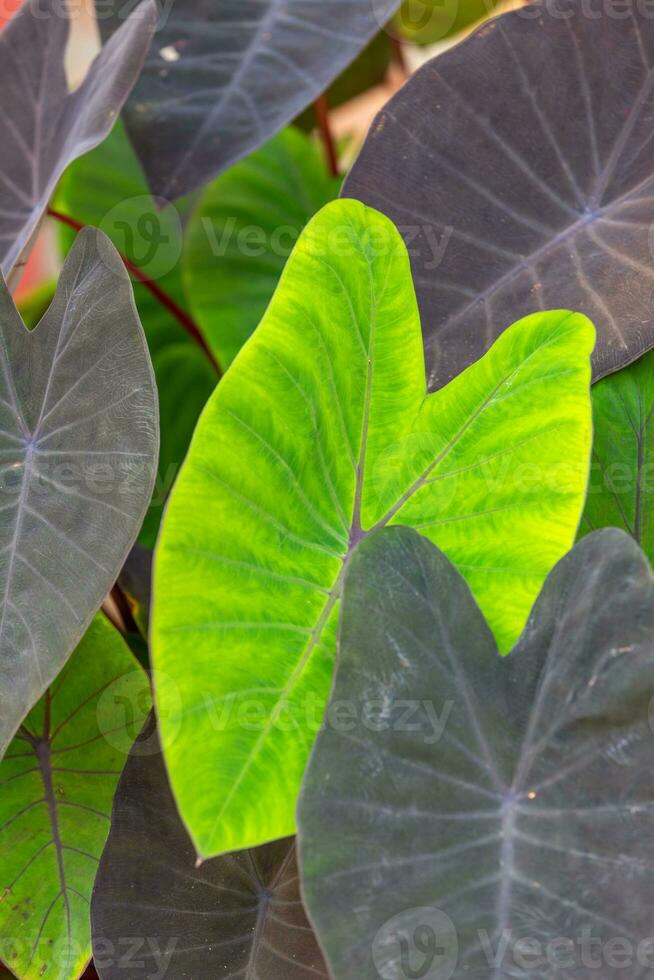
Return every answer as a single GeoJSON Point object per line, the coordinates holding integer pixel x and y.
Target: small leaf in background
{"type": "Point", "coordinates": [621, 488]}
{"type": "Point", "coordinates": [518, 166]}
{"type": "Point", "coordinates": [107, 188]}
{"type": "Point", "coordinates": [243, 231]}
{"type": "Point", "coordinates": [432, 21]}
{"type": "Point", "coordinates": [458, 804]}
{"type": "Point", "coordinates": [33, 305]}
{"type": "Point", "coordinates": [56, 788]}
{"type": "Point", "coordinates": [43, 126]}
{"type": "Point", "coordinates": [319, 432]}
{"type": "Point", "coordinates": [238, 915]}
{"type": "Point", "coordinates": [222, 80]}
{"type": "Point", "coordinates": [78, 453]}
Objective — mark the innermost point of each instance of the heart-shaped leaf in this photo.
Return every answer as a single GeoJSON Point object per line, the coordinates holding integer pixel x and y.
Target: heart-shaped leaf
{"type": "Point", "coordinates": [56, 786]}
{"type": "Point", "coordinates": [244, 230]}
{"type": "Point", "coordinates": [621, 489]}
{"type": "Point", "coordinates": [106, 188]}
{"type": "Point", "coordinates": [221, 79]}
{"type": "Point", "coordinates": [43, 126]}
{"type": "Point", "coordinates": [465, 807]}
{"type": "Point", "coordinates": [78, 447]}
{"type": "Point", "coordinates": [321, 431]}
{"type": "Point", "coordinates": [520, 169]}
{"type": "Point", "coordinates": [238, 915]}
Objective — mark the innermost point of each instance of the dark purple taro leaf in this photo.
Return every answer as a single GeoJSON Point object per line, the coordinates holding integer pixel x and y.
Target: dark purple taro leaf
{"type": "Point", "coordinates": [43, 126]}
{"type": "Point", "coordinates": [135, 580]}
{"type": "Point", "coordinates": [520, 169]}
{"type": "Point", "coordinates": [222, 78]}
{"type": "Point", "coordinates": [239, 915]}
{"type": "Point", "coordinates": [79, 434]}
{"type": "Point", "coordinates": [458, 805]}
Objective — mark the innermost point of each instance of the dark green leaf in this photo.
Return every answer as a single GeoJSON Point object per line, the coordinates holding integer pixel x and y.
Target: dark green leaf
{"type": "Point", "coordinates": [621, 489]}
{"type": "Point", "coordinates": [458, 804]}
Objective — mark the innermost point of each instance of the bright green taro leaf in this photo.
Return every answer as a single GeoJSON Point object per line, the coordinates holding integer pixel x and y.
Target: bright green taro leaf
{"type": "Point", "coordinates": [107, 188]}
{"type": "Point", "coordinates": [57, 783]}
{"type": "Point", "coordinates": [243, 231]}
{"type": "Point", "coordinates": [621, 487]}
{"type": "Point", "coordinates": [321, 431]}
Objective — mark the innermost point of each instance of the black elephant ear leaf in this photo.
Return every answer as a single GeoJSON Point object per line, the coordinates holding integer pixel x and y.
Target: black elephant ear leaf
{"type": "Point", "coordinates": [78, 454]}
{"type": "Point", "coordinates": [222, 78]}
{"type": "Point", "coordinates": [44, 126]}
{"type": "Point", "coordinates": [462, 798]}
{"type": "Point", "coordinates": [531, 190]}
{"type": "Point", "coordinates": [238, 915]}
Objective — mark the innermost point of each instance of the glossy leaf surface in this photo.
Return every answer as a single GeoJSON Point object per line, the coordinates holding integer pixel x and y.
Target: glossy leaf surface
{"type": "Point", "coordinates": [621, 488]}
{"type": "Point", "coordinates": [321, 431]}
{"type": "Point", "coordinates": [243, 231]}
{"type": "Point", "coordinates": [106, 188]}
{"type": "Point", "coordinates": [460, 808]}
{"type": "Point", "coordinates": [78, 450]}
{"type": "Point", "coordinates": [239, 915]}
{"type": "Point", "coordinates": [43, 126]}
{"type": "Point", "coordinates": [221, 79]}
{"type": "Point", "coordinates": [57, 783]}
{"type": "Point", "coordinates": [533, 192]}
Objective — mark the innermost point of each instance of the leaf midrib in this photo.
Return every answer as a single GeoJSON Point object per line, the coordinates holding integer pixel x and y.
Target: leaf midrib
{"type": "Point", "coordinates": [29, 450]}
{"type": "Point", "coordinates": [42, 747]}
{"type": "Point", "coordinates": [43, 755]}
